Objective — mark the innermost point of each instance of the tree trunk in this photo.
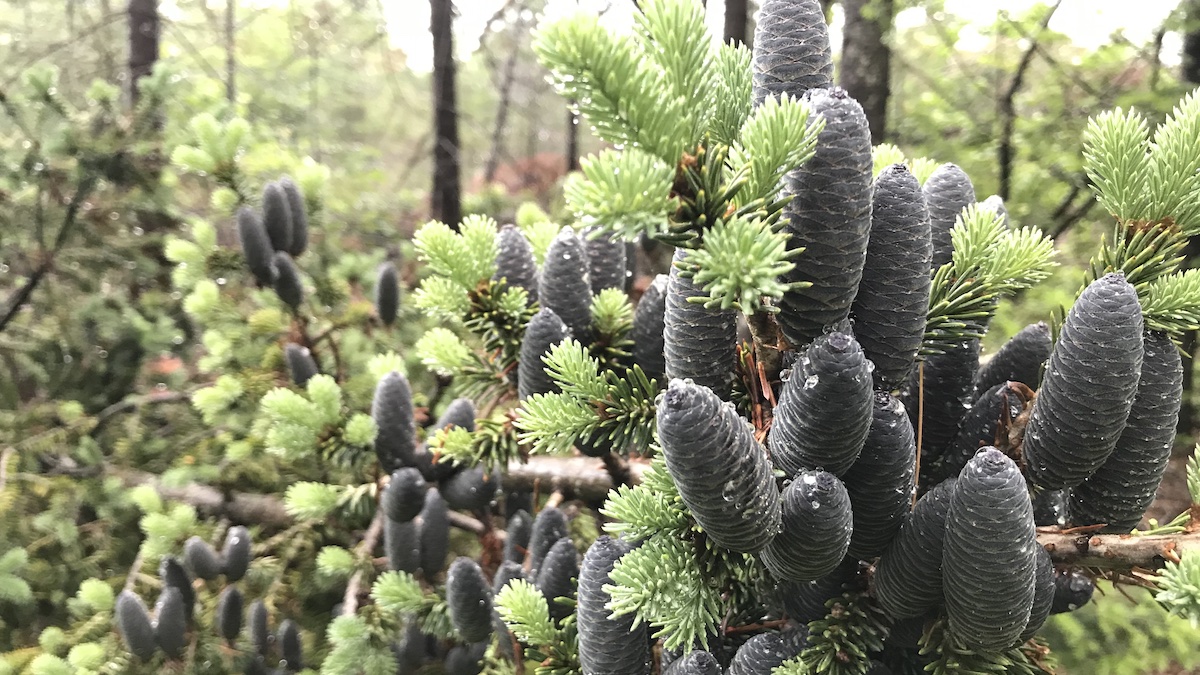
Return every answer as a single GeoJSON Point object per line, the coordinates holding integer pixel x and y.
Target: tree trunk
{"type": "Point", "coordinates": [737, 20]}
{"type": "Point", "coordinates": [447, 187]}
{"type": "Point", "coordinates": [506, 86]}
{"type": "Point", "coordinates": [866, 59]}
{"type": "Point", "coordinates": [572, 140]}
{"type": "Point", "coordinates": [1191, 41]}
{"type": "Point", "coordinates": [143, 43]}
{"type": "Point", "coordinates": [231, 50]}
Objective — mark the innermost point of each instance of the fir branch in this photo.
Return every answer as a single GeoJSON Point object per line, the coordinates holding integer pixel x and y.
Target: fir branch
{"type": "Point", "coordinates": [841, 643]}
{"type": "Point", "coordinates": [622, 93]}
{"type": "Point", "coordinates": [612, 321]}
{"type": "Point", "coordinates": [734, 87]}
{"type": "Point", "coordinates": [648, 508]}
{"type": "Point", "coordinates": [989, 262]}
{"type": "Point", "coordinates": [662, 583]}
{"type": "Point", "coordinates": [885, 155]}
{"type": "Point", "coordinates": [1193, 476]}
{"type": "Point", "coordinates": [1174, 177]}
{"type": "Point", "coordinates": [779, 136]}
{"type": "Point", "coordinates": [628, 192]}
{"type": "Point", "coordinates": [526, 613]}
{"type": "Point", "coordinates": [1142, 254]}
{"type": "Point", "coordinates": [741, 263]}
{"type": "Point", "coordinates": [1115, 148]}
{"type": "Point", "coordinates": [950, 658]}
{"type": "Point", "coordinates": [674, 36]}
{"type": "Point", "coordinates": [1172, 303]}
{"type": "Point", "coordinates": [443, 352]}
{"type": "Point", "coordinates": [492, 443]}
{"type": "Point", "coordinates": [922, 168]}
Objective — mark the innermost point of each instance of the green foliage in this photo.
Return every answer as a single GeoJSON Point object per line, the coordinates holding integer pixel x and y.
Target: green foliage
{"type": "Point", "coordinates": [989, 262]}
{"type": "Point", "coordinates": [526, 613]}
{"type": "Point", "coordinates": [628, 192]}
{"type": "Point", "coordinates": [13, 589]}
{"type": "Point", "coordinates": [841, 642]}
{"type": "Point", "coordinates": [741, 264]}
{"type": "Point", "coordinates": [1179, 584]}
{"type": "Point", "coordinates": [951, 658]}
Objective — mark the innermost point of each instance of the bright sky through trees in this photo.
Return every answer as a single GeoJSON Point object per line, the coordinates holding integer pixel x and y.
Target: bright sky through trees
{"type": "Point", "coordinates": [1089, 22]}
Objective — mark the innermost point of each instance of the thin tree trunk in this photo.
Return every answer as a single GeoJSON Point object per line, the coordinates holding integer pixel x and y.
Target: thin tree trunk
{"type": "Point", "coordinates": [143, 43]}
{"type": "Point", "coordinates": [1191, 41]}
{"type": "Point", "coordinates": [1006, 149]}
{"type": "Point", "coordinates": [506, 86]}
{"type": "Point", "coordinates": [572, 140]}
{"type": "Point", "coordinates": [866, 59]}
{"type": "Point", "coordinates": [231, 50]}
{"type": "Point", "coordinates": [447, 185]}
{"type": "Point", "coordinates": [737, 20]}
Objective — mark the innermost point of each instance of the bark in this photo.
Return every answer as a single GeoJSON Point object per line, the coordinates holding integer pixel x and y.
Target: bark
{"type": "Point", "coordinates": [572, 140]}
{"type": "Point", "coordinates": [1006, 150]}
{"type": "Point", "coordinates": [737, 21]}
{"type": "Point", "coordinates": [144, 32]}
{"type": "Point", "coordinates": [447, 185]}
{"type": "Point", "coordinates": [231, 50]}
{"type": "Point", "coordinates": [506, 87]}
{"type": "Point", "coordinates": [1191, 41]}
{"type": "Point", "coordinates": [866, 59]}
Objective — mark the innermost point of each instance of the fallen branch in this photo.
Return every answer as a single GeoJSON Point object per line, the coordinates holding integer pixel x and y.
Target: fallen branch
{"type": "Point", "coordinates": [1117, 551]}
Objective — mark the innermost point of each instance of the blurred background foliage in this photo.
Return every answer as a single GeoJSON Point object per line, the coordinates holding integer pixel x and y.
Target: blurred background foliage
{"type": "Point", "coordinates": [99, 356]}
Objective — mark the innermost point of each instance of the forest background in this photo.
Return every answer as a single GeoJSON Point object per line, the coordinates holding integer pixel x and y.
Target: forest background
{"type": "Point", "coordinates": [93, 334]}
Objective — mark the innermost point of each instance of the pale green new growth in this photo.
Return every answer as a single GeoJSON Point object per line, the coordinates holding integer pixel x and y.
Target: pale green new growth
{"type": "Point", "coordinates": [734, 87]}
{"type": "Point", "coordinates": [1172, 303]}
{"type": "Point", "coordinates": [674, 36]}
{"type": "Point", "coordinates": [1179, 584]}
{"type": "Point", "coordinates": [989, 262]}
{"type": "Point", "coordinates": [1193, 475]}
{"type": "Point", "coordinates": [646, 509]}
{"type": "Point", "coordinates": [775, 139]}
{"type": "Point", "coordinates": [741, 263]}
{"type": "Point", "coordinates": [398, 593]}
{"type": "Point", "coordinates": [13, 589]}
{"type": "Point", "coordinates": [465, 257]}
{"type": "Point", "coordinates": [661, 583]}
{"type": "Point", "coordinates": [883, 156]}
{"type": "Point", "coordinates": [1115, 145]}
{"type": "Point", "coordinates": [442, 351]}
{"type": "Point", "coordinates": [793, 666]}
{"type": "Point", "coordinates": [524, 610]}
{"type": "Point", "coordinates": [335, 562]}
{"type": "Point", "coordinates": [537, 228]}
{"type": "Point", "coordinates": [625, 192]}
{"type": "Point", "coordinates": [311, 501]}
{"type": "Point", "coordinates": [612, 313]}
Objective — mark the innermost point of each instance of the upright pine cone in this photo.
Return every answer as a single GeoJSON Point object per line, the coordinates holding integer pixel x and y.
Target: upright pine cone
{"type": "Point", "coordinates": [988, 560]}
{"type": "Point", "coordinates": [880, 483]}
{"type": "Point", "coordinates": [564, 286]}
{"type": "Point", "coordinates": [791, 49]}
{"type": "Point", "coordinates": [277, 217]}
{"type": "Point", "coordinates": [606, 260]}
{"type": "Point", "coordinates": [947, 191]}
{"type": "Point", "coordinates": [698, 343]}
{"type": "Point", "coordinates": [893, 296]}
{"type": "Point", "coordinates": [830, 216]}
{"type": "Point", "coordinates": [824, 412]}
{"type": "Point", "coordinates": [514, 261]}
{"type": "Point", "coordinates": [256, 246]}
{"type": "Point", "coordinates": [1119, 492]}
{"type": "Point", "coordinates": [1089, 386]}
{"type": "Point", "coordinates": [722, 472]}
{"type": "Point", "coordinates": [607, 645]}
{"type": "Point", "coordinates": [908, 577]}
{"type": "Point", "coordinates": [1019, 360]}
{"type": "Point", "coordinates": [543, 331]}
{"type": "Point", "coordinates": [817, 526]}
{"type": "Point", "coordinates": [296, 209]}
{"type": "Point", "coordinates": [648, 329]}
{"type": "Point", "coordinates": [395, 442]}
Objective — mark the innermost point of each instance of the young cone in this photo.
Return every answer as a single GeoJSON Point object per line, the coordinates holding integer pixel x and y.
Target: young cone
{"type": "Point", "coordinates": [506, 572]}
{"type": "Point", "coordinates": [824, 411]}
{"type": "Point", "coordinates": [549, 526]}
{"type": "Point", "coordinates": [402, 545]}
{"type": "Point", "coordinates": [288, 285]}
{"type": "Point", "coordinates": [201, 559]}
{"type": "Point", "coordinates": [236, 554]}
{"type": "Point", "coordinates": [470, 600]}
{"type": "Point", "coordinates": [606, 260]}
{"type": "Point", "coordinates": [301, 365]}
{"type": "Point", "coordinates": [277, 217]}
{"type": "Point", "coordinates": [133, 623]}
{"type": "Point", "coordinates": [290, 648]}
{"type": "Point", "coordinates": [764, 652]}
{"type": "Point", "coordinates": [1019, 360]}
{"type": "Point", "coordinates": [434, 536]}
{"type": "Point", "coordinates": [514, 261]}
{"type": "Point", "coordinates": [1043, 593]}
{"type": "Point", "coordinates": [817, 526]}
{"type": "Point", "coordinates": [908, 577]}
{"type": "Point", "coordinates": [988, 558]}
{"type": "Point", "coordinates": [516, 543]}
{"type": "Point", "coordinates": [947, 192]}
{"type": "Point", "coordinates": [695, 662]}
{"type": "Point", "coordinates": [299, 220]}
{"type": "Point", "coordinates": [996, 204]}
{"type": "Point", "coordinates": [557, 575]}
{"type": "Point", "coordinates": [880, 483]}
{"type": "Point", "coordinates": [947, 392]}
{"type": "Point", "coordinates": [170, 622]}
{"type": "Point", "coordinates": [391, 408]}
{"type": "Point", "coordinates": [722, 472]}
{"type": "Point", "coordinates": [471, 489]}
{"type": "Point", "coordinates": [544, 331]}
{"type": "Point", "coordinates": [564, 286]}
{"type": "Point", "coordinates": [1119, 492]}
{"type": "Point", "coordinates": [256, 622]}
{"type": "Point", "coordinates": [1072, 589]}
{"type": "Point", "coordinates": [893, 296]}
{"type": "Point", "coordinates": [229, 614]}
{"type": "Point", "coordinates": [791, 49]}
{"type": "Point", "coordinates": [404, 495]}
{"type": "Point", "coordinates": [1089, 386]}
{"type": "Point", "coordinates": [459, 413]}
{"type": "Point", "coordinates": [698, 343]}
{"type": "Point", "coordinates": [387, 293]}
{"type": "Point", "coordinates": [648, 329]}
{"type": "Point", "coordinates": [256, 246]}
{"type": "Point", "coordinates": [830, 217]}
{"type": "Point", "coordinates": [995, 410]}
{"type": "Point", "coordinates": [173, 574]}
{"type": "Point", "coordinates": [607, 645]}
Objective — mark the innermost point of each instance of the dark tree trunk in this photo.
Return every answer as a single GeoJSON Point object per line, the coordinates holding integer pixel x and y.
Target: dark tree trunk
{"type": "Point", "coordinates": [572, 140]}
{"type": "Point", "coordinates": [506, 87]}
{"type": "Point", "coordinates": [866, 59]}
{"type": "Point", "coordinates": [143, 43]}
{"type": "Point", "coordinates": [447, 186]}
{"type": "Point", "coordinates": [231, 50]}
{"type": "Point", "coordinates": [737, 20]}
{"type": "Point", "coordinates": [1191, 41]}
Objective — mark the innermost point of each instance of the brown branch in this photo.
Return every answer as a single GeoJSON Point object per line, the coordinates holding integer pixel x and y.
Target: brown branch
{"type": "Point", "coordinates": [1117, 551]}
{"type": "Point", "coordinates": [1008, 110]}
{"type": "Point", "coordinates": [365, 547]}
